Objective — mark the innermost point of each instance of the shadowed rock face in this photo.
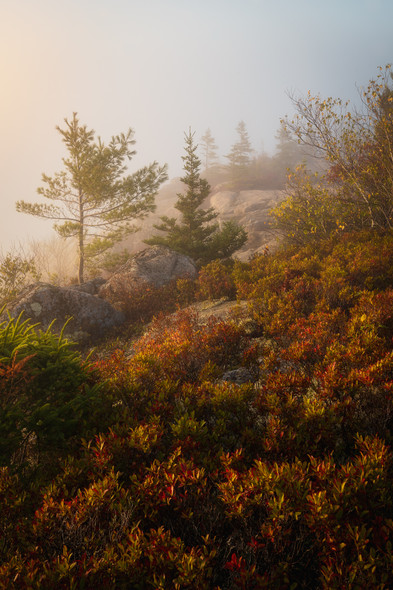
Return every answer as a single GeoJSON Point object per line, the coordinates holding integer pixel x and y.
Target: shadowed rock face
{"type": "Point", "coordinates": [91, 316]}
{"type": "Point", "coordinates": [91, 287]}
{"type": "Point", "coordinates": [155, 266]}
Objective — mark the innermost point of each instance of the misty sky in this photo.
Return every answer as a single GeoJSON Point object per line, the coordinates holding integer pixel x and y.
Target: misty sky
{"type": "Point", "coordinates": [162, 66]}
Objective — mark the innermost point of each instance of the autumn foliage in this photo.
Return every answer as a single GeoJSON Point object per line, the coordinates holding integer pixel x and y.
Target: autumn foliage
{"type": "Point", "coordinates": [146, 466]}
{"type": "Point", "coordinates": [354, 190]}
{"type": "Point", "coordinates": [173, 478]}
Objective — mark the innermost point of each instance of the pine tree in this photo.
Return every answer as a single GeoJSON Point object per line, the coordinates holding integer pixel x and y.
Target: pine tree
{"type": "Point", "coordinates": [193, 234]}
{"type": "Point", "coordinates": [96, 199]}
{"type": "Point", "coordinates": [289, 153]}
{"type": "Point", "coordinates": [209, 150]}
{"type": "Point", "coordinates": [240, 155]}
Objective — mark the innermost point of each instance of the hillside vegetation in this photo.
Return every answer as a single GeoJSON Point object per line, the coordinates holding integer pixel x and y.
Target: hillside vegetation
{"type": "Point", "coordinates": [146, 466]}
{"type": "Point", "coordinates": [144, 469]}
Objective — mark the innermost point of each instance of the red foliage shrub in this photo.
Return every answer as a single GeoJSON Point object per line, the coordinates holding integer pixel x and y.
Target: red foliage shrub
{"type": "Point", "coordinates": [182, 346]}
{"type": "Point", "coordinates": [215, 281]}
{"type": "Point", "coordinates": [142, 302]}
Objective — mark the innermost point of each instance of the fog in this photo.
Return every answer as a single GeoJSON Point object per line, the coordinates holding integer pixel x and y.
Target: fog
{"type": "Point", "coordinates": [162, 66]}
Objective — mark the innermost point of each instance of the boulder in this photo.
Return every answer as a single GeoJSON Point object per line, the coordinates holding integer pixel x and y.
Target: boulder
{"type": "Point", "coordinates": [154, 267]}
{"type": "Point", "coordinates": [91, 287]}
{"type": "Point", "coordinates": [238, 376]}
{"type": "Point", "coordinates": [91, 316]}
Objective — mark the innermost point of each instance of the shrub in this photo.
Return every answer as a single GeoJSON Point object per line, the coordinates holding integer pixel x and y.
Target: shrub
{"type": "Point", "coordinates": [183, 346]}
{"type": "Point", "coordinates": [16, 271]}
{"type": "Point", "coordinates": [47, 394]}
{"type": "Point", "coordinates": [215, 281]}
{"type": "Point", "coordinates": [142, 302]}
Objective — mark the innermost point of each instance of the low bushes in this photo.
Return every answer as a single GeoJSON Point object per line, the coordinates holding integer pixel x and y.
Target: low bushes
{"type": "Point", "coordinates": [191, 482]}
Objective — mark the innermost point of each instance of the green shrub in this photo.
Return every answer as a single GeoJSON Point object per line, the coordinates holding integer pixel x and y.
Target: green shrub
{"type": "Point", "coordinates": [47, 394]}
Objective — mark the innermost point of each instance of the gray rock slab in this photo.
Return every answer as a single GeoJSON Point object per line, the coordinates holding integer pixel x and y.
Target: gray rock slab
{"type": "Point", "coordinates": [155, 266]}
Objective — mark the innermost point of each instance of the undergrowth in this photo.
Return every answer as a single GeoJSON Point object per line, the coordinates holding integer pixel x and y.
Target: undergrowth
{"type": "Point", "coordinates": [147, 470]}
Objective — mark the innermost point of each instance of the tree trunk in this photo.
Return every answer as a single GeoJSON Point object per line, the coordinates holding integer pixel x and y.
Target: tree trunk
{"type": "Point", "coordinates": [81, 240]}
{"type": "Point", "coordinates": [81, 267]}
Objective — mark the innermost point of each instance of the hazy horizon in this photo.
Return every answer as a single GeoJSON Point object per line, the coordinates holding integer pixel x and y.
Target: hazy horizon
{"type": "Point", "coordinates": [162, 67]}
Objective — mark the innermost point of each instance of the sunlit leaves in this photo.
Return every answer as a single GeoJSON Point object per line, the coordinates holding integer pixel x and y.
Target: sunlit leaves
{"type": "Point", "coordinates": [356, 190]}
{"type": "Point", "coordinates": [93, 198]}
{"type": "Point", "coordinates": [282, 482]}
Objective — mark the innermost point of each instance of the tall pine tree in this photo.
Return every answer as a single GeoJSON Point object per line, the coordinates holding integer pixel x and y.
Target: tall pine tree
{"type": "Point", "coordinates": [193, 234]}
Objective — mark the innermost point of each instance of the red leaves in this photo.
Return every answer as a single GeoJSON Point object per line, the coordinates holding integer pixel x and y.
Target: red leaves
{"type": "Point", "coordinates": [236, 564]}
{"type": "Point", "coordinates": [14, 376]}
{"type": "Point", "coordinates": [182, 345]}
{"type": "Point", "coordinates": [215, 281]}
{"type": "Point", "coordinates": [201, 484]}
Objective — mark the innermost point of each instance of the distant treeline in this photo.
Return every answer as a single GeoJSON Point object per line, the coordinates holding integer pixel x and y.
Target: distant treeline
{"type": "Point", "coordinates": [244, 168]}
